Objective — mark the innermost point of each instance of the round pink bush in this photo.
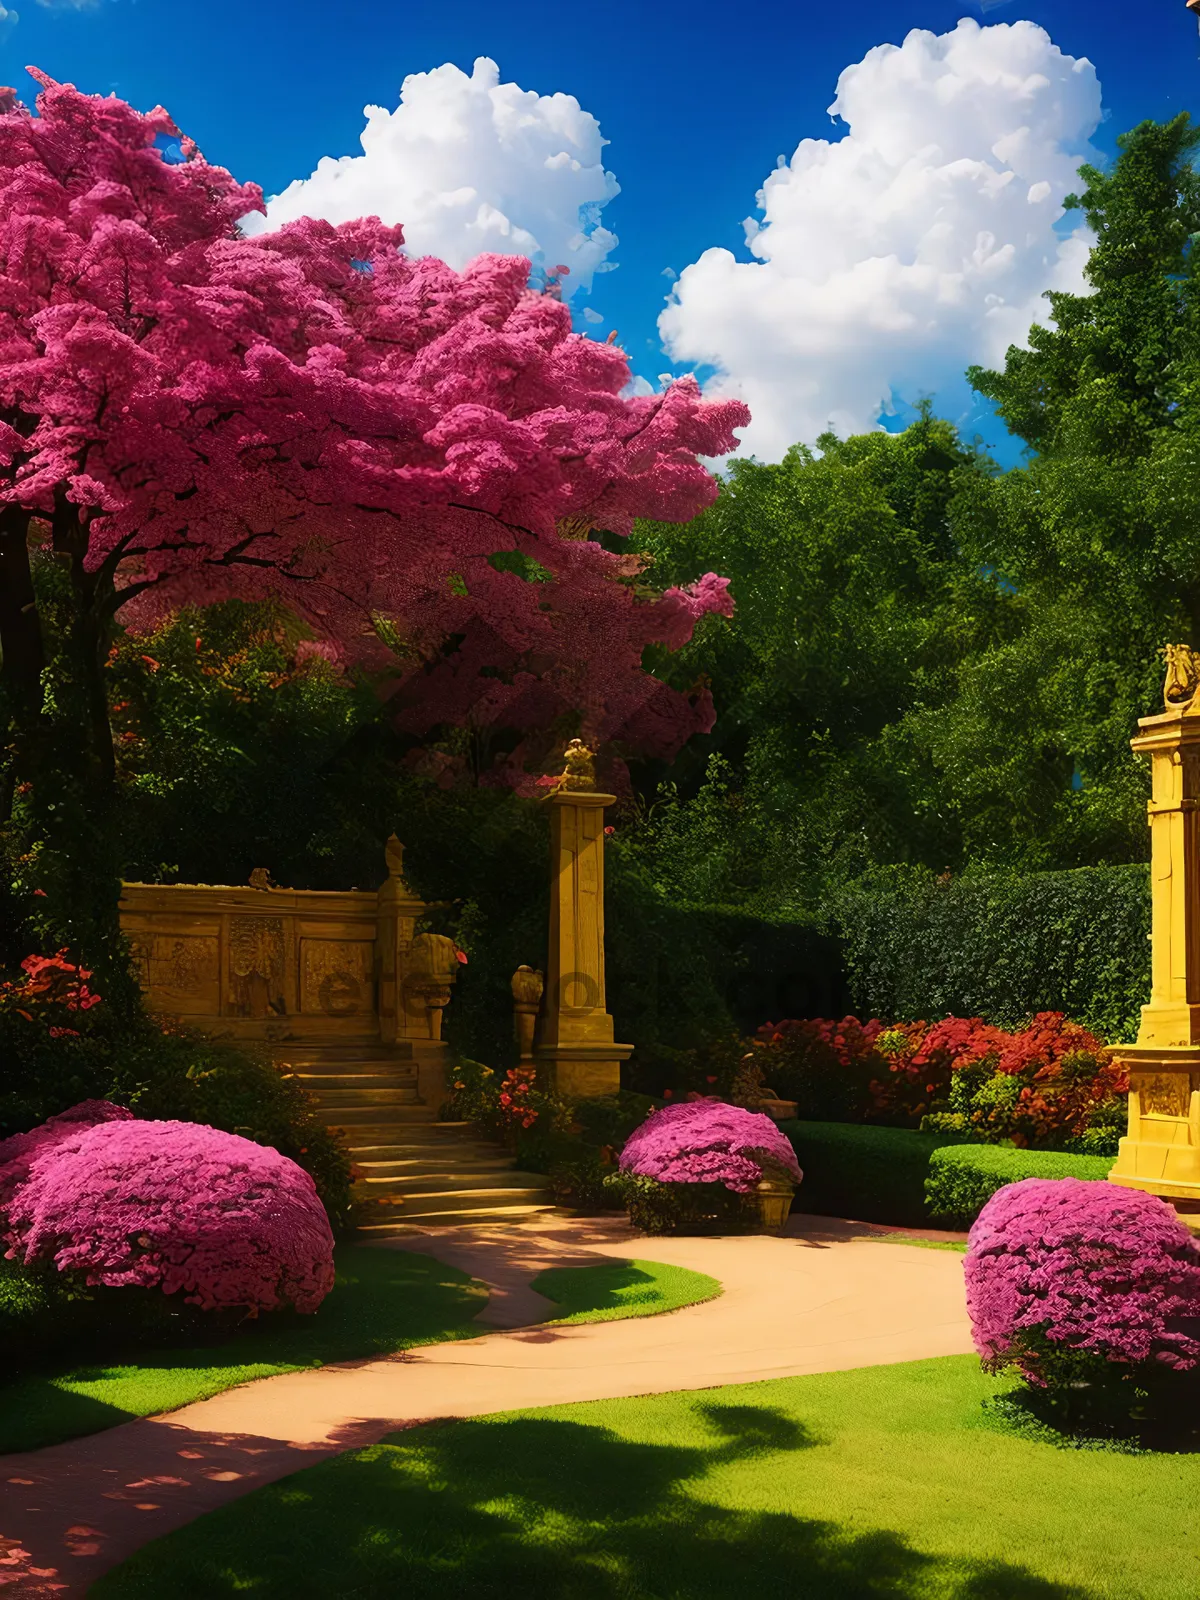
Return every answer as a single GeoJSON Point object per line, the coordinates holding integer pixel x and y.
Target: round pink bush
{"type": "Point", "coordinates": [707, 1141]}
{"type": "Point", "coordinates": [173, 1204]}
{"type": "Point", "coordinates": [1086, 1267]}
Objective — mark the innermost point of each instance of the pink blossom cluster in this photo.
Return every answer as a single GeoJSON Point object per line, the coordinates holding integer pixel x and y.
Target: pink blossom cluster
{"type": "Point", "coordinates": [177, 1205]}
{"type": "Point", "coordinates": [1087, 1266]}
{"type": "Point", "coordinates": [707, 1141]}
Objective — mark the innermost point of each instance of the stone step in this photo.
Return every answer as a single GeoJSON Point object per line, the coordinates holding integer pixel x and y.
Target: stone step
{"type": "Point", "coordinates": [429, 1203]}
{"type": "Point", "coordinates": [368, 1098]}
{"type": "Point", "coordinates": [411, 1133]}
{"type": "Point", "coordinates": [323, 1082]}
{"type": "Point", "coordinates": [424, 1184]}
{"type": "Point", "coordinates": [395, 1114]}
{"type": "Point", "coordinates": [471, 1215]}
{"type": "Point", "coordinates": [477, 1158]}
{"type": "Point", "coordinates": [340, 1050]}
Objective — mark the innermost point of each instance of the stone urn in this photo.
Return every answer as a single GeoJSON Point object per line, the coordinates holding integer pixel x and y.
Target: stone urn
{"type": "Point", "coordinates": [772, 1199]}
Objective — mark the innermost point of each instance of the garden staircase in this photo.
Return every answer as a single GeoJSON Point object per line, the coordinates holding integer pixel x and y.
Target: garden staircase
{"type": "Point", "coordinates": [412, 1169]}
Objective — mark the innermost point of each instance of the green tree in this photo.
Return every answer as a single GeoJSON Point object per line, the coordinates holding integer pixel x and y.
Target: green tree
{"type": "Point", "coordinates": [855, 612]}
{"type": "Point", "coordinates": [1097, 532]}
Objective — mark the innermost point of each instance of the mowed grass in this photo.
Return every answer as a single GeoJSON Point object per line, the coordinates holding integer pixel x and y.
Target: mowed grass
{"type": "Point", "coordinates": [383, 1301]}
{"type": "Point", "coordinates": [614, 1290]}
{"type": "Point", "coordinates": [882, 1482]}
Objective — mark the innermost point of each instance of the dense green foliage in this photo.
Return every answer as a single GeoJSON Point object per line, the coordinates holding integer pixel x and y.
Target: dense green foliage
{"type": "Point", "coordinates": [867, 1173]}
{"type": "Point", "coordinates": [886, 1483]}
{"type": "Point", "coordinates": [1000, 945]}
{"type": "Point", "coordinates": [79, 1360]}
{"type": "Point", "coordinates": [855, 610]}
{"type": "Point", "coordinates": [613, 1290]}
{"type": "Point", "coordinates": [962, 1179]}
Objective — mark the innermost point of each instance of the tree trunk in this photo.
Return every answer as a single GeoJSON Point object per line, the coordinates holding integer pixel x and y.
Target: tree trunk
{"type": "Point", "coordinates": [22, 653]}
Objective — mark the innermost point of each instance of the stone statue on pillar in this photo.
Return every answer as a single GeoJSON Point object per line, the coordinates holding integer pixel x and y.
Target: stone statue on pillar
{"type": "Point", "coordinates": [1161, 1153]}
{"type": "Point", "coordinates": [575, 1049]}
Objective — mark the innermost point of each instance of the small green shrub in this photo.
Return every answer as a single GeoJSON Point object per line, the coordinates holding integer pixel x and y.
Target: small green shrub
{"type": "Point", "coordinates": [580, 1182]}
{"type": "Point", "coordinates": [858, 1170]}
{"type": "Point", "coordinates": [962, 1179]}
{"type": "Point", "coordinates": [610, 1119]}
{"type": "Point", "coordinates": [680, 1207]}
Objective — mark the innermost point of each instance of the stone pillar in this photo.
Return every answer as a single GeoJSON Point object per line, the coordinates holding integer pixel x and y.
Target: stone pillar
{"type": "Point", "coordinates": [575, 1048]}
{"type": "Point", "coordinates": [398, 910]}
{"type": "Point", "coordinates": [1161, 1153]}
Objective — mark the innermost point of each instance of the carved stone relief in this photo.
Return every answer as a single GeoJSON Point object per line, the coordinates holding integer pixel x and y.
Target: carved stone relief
{"type": "Point", "coordinates": [1164, 1094]}
{"type": "Point", "coordinates": [179, 971]}
{"type": "Point", "coordinates": [257, 961]}
{"type": "Point", "coordinates": [335, 976]}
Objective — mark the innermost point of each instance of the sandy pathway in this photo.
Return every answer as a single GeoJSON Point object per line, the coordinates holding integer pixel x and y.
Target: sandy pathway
{"type": "Point", "coordinates": [825, 1297]}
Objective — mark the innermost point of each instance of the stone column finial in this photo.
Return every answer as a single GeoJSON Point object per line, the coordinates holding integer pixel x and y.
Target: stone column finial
{"type": "Point", "coordinates": [527, 988]}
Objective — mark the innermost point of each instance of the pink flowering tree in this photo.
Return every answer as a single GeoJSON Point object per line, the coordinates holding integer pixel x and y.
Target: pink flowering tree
{"type": "Point", "coordinates": [414, 459]}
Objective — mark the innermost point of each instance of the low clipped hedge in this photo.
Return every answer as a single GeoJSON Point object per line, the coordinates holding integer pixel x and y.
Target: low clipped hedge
{"type": "Point", "coordinates": [869, 1173]}
{"type": "Point", "coordinates": [909, 1179]}
{"type": "Point", "coordinates": [963, 1179]}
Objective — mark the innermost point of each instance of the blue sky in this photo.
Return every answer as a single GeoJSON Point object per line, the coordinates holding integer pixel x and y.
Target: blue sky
{"type": "Point", "coordinates": [697, 102]}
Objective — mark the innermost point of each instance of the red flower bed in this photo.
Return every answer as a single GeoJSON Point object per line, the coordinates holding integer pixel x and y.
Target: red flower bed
{"type": "Point", "coordinates": [1051, 1083]}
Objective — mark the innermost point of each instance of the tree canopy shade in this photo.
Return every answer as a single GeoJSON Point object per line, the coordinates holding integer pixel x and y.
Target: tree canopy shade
{"type": "Point", "coordinates": [409, 457]}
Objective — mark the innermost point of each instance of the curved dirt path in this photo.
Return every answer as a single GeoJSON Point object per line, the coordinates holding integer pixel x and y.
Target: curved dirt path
{"type": "Point", "coordinates": [824, 1297]}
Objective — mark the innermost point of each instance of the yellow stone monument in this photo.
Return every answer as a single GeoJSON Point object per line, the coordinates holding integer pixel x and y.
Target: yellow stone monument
{"type": "Point", "coordinates": [575, 1049]}
{"type": "Point", "coordinates": [1161, 1153]}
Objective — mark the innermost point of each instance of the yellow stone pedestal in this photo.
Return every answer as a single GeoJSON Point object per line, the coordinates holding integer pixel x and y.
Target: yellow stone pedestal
{"type": "Point", "coordinates": [1161, 1152]}
{"type": "Point", "coordinates": [575, 1052]}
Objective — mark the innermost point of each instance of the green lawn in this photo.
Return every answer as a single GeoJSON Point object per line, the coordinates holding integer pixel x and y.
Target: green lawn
{"type": "Point", "coordinates": [617, 1289]}
{"type": "Point", "coordinates": [886, 1483]}
{"type": "Point", "coordinates": [383, 1300]}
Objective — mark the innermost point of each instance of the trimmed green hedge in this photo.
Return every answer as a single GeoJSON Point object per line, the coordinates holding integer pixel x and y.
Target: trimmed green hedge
{"type": "Point", "coordinates": [907, 1179]}
{"type": "Point", "coordinates": [962, 1179]}
{"type": "Point", "coordinates": [1000, 945]}
{"type": "Point", "coordinates": [857, 1170]}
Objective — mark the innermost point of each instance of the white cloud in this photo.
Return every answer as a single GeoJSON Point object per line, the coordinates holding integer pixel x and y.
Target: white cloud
{"type": "Point", "coordinates": [921, 241]}
{"type": "Point", "coordinates": [590, 315]}
{"type": "Point", "coordinates": [469, 164]}
{"type": "Point", "coordinates": [8, 21]}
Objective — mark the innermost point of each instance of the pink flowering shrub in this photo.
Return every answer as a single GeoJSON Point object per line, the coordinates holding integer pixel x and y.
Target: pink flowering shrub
{"type": "Point", "coordinates": [707, 1141]}
{"type": "Point", "coordinates": [175, 1205]}
{"type": "Point", "coordinates": [1057, 1267]}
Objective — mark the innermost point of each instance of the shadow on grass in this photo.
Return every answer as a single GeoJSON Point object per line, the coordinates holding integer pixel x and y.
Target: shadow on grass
{"type": "Point", "coordinates": [383, 1301]}
{"type": "Point", "coordinates": [551, 1509]}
